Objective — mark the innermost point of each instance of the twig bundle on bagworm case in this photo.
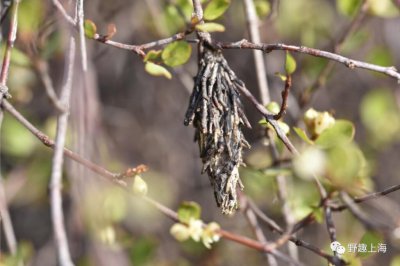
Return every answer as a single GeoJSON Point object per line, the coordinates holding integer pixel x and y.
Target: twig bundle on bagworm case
{"type": "Point", "coordinates": [215, 110]}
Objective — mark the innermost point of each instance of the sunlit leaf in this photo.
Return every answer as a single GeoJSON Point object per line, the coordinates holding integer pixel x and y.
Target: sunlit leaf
{"type": "Point", "coordinates": [215, 9]}
{"type": "Point", "coordinates": [23, 253]}
{"type": "Point", "coordinates": [352, 259]}
{"type": "Point", "coordinates": [187, 8]}
{"type": "Point", "coordinates": [188, 210]}
{"type": "Point", "coordinates": [17, 56]}
{"type": "Point", "coordinates": [302, 198]}
{"type": "Point", "coordinates": [383, 8]}
{"type": "Point", "coordinates": [290, 64]}
{"type": "Point", "coordinates": [348, 7]}
{"type": "Point", "coordinates": [341, 132]}
{"type": "Point", "coordinates": [344, 165]}
{"type": "Point", "coordinates": [153, 55]}
{"type": "Point", "coordinates": [372, 240]}
{"type": "Point", "coordinates": [157, 70]}
{"type": "Point", "coordinates": [263, 8]}
{"type": "Point", "coordinates": [30, 17]}
{"type": "Point", "coordinates": [142, 250]}
{"type": "Point", "coordinates": [17, 140]}
{"type": "Point", "coordinates": [273, 107]}
{"type": "Point", "coordinates": [114, 205]}
{"type": "Point", "coordinates": [176, 53]}
{"type": "Point", "coordinates": [294, 15]}
{"type": "Point", "coordinates": [302, 134]}
{"type": "Point", "coordinates": [171, 21]}
{"type": "Point", "coordinates": [355, 41]}
{"type": "Point", "coordinates": [52, 46]}
{"type": "Point", "coordinates": [210, 27]}
{"type": "Point", "coordinates": [376, 105]}
{"type": "Point", "coordinates": [90, 28]}
{"type": "Point", "coordinates": [281, 76]}
{"type": "Point", "coordinates": [319, 214]}
{"type": "Point", "coordinates": [380, 56]}
{"type": "Point", "coordinates": [395, 261]}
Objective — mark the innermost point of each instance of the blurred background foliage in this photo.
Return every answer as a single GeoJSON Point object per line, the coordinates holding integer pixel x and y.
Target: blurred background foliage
{"type": "Point", "coordinates": [142, 122]}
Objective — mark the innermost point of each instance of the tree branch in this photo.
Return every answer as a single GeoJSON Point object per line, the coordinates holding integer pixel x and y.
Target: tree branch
{"type": "Point", "coordinates": [82, 39]}
{"type": "Point", "coordinates": [253, 28]}
{"type": "Point", "coordinates": [12, 34]}
{"type": "Point", "coordinates": [60, 235]}
{"type": "Point", "coordinates": [115, 178]}
{"type": "Point", "coordinates": [350, 63]}
{"type": "Point", "coordinates": [5, 218]}
{"type": "Point", "coordinates": [367, 197]}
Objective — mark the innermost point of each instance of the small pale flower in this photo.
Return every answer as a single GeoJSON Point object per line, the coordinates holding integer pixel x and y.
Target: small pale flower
{"type": "Point", "coordinates": [180, 232]}
{"type": "Point", "coordinates": [195, 229]}
{"type": "Point", "coordinates": [318, 122]}
{"type": "Point", "coordinates": [210, 234]}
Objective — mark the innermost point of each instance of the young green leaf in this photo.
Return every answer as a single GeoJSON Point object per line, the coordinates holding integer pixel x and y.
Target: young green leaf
{"type": "Point", "coordinates": [302, 134]}
{"type": "Point", "coordinates": [273, 107]}
{"type": "Point", "coordinates": [189, 210]}
{"type": "Point", "coordinates": [383, 8]}
{"type": "Point", "coordinates": [281, 76]}
{"type": "Point", "coordinates": [348, 7]}
{"type": "Point", "coordinates": [210, 27]}
{"type": "Point", "coordinates": [176, 53]}
{"type": "Point", "coordinates": [90, 28]}
{"type": "Point", "coordinates": [341, 132]}
{"type": "Point", "coordinates": [376, 104]}
{"type": "Point", "coordinates": [215, 9]}
{"type": "Point", "coordinates": [263, 8]}
{"type": "Point", "coordinates": [153, 55]}
{"type": "Point", "coordinates": [157, 70]}
{"type": "Point", "coordinates": [290, 64]}
{"type": "Point", "coordinates": [372, 240]}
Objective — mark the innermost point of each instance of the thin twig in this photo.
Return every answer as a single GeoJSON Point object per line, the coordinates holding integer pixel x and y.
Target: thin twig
{"type": "Point", "coordinates": [368, 197]}
{"type": "Point", "coordinates": [390, 71]}
{"type": "Point", "coordinates": [43, 69]}
{"type": "Point", "coordinates": [5, 218]}
{"type": "Point", "coordinates": [301, 243]}
{"type": "Point", "coordinates": [82, 39]}
{"type": "Point", "coordinates": [330, 225]}
{"type": "Point", "coordinates": [113, 177]}
{"type": "Point", "coordinates": [269, 117]}
{"type": "Point", "coordinates": [12, 35]}
{"type": "Point", "coordinates": [285, 95]}
{"type": "Point", "coordinates": [253, 28]}
{"type": "Point", "coordinates": [5, 10]}
{"type": "Point", "coordinates": [57, 214]}
{"type": "Point", "coordinates": [50, 143]}
{"type": "Point", "coordinates": [64, 13]}
{"type": "Point", "coordinates": [356, 211]}
{"type": "Point", "coordinates": [198, 10]}
{"type": "Point", "coordinates": [252, 219]}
